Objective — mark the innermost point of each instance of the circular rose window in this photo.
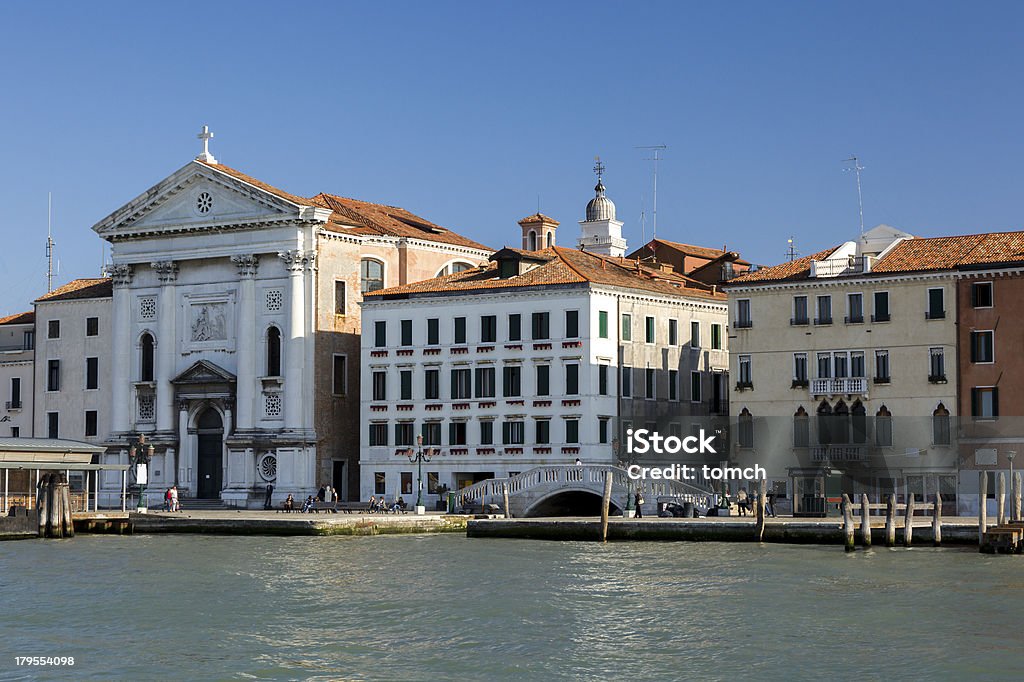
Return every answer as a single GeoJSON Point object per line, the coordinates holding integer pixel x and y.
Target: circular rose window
{"type": "Point", "coordinates": [204, 202]}
{"type": "Point", "coordinates": [267, 467]}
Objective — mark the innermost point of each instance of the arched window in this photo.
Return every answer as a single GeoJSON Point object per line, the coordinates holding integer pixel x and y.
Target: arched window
{"type": "Point", "coordinates": [550, 240]}
{"type": "Point", "coordinates": [840, 430]}
{"type": "Point", "coordinates": [940, 425]}
{"type": "Point", "coordinates": [883, 427]}
{"type": "Point", "coordinates": [801, 428]}
{"type": "Point", "coordinates": [146, 360]}
{"type": "Point", "coordinates": [371, 275]}
{"type": "Point", "coordinates": [824, 423]}
{"type": "Point", "coordinates": [746, 429]}
{"type": "Point", "coordinates": [531, 241]}
{"type": "Point", "coordinates": [859, 423]}
{"type": "Point", "coordinates": [452, 268]}
{"type": "Point", "coordinates": [273, 352]}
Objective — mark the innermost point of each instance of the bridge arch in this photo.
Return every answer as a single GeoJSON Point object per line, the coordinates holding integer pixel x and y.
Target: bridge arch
{"type": "Point", "coordinates": [572, 501]}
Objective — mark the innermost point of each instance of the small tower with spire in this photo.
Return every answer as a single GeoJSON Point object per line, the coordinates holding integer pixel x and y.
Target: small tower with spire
{"type": "Point", "coordinates": [538, 231]}
{"type": "Point", "coordinates": [601, 233]}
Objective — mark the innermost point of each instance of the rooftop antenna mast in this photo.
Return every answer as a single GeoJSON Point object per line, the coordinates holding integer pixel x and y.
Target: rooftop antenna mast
{"type": "Point", "coordinates": [656, 158]}
{"type": "Point", "coordinates": [791, 251]}
{"type": "Point", "coordinates": [857, 168]}
{"type": "Point", "coordinates": [49, 242]}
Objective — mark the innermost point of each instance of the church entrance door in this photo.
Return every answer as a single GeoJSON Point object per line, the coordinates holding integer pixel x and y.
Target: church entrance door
{"type": "Point", "coordinates": [210, 464]}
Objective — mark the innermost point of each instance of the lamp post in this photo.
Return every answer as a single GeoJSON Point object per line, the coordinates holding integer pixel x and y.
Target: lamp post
{"type": "Point", "coordinates": [139, 455]}
{"type": "Point", "coordinates": [419, 458]}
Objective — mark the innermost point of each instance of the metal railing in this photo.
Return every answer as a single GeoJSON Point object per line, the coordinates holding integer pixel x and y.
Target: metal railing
{"type": "Point", "coordinates": [847, 386]}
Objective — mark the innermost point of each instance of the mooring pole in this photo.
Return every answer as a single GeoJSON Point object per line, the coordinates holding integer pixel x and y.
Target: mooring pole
{"type": "Point", "coordinates": [605, 502]}
{"type": "Point", "coordinates": [504, 494]}
{"type": "Point", "coordinates": [1016, 496]}
{"type": "Point", "coordinates": [937, 521]}
{"type": "Point", "coordinates": [865, 521]}
{"type": "Point", "coordinates": [1001, 498]}
{"type": "Point", "coordinates": [890, 521]}
{"type": "Point", "coordinates": [982, 506]}
{"type": "Point", "coordinates": [908, 521]}
{"type": "Point", "coordinates": [848, 523]}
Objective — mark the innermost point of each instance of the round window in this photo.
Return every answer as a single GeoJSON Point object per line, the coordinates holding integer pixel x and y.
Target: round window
{"type": "Point", "coordinates": [204, 202]}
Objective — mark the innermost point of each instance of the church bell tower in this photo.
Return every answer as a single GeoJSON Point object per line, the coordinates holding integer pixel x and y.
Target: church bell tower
{"type": "Point", "coordinates": [601, 233]}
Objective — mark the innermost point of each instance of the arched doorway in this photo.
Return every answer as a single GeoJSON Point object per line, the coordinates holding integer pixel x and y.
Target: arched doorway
{"type": "Point", "coordinates": [210, 467]}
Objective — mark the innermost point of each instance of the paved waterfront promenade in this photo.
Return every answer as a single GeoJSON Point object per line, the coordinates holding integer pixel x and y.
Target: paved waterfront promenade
{"type": "Point", "coordinates": [255, 522]}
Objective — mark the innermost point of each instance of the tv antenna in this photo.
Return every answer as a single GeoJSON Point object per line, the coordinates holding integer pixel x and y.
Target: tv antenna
{"type": "Point", "coordinates": [655, 158]}
{"type": "Point", "coordinates": [49, 242]}
{"type": "Point", "coordinates": [791, 251]}
{"type": "Point", "coordinates": [857, 168]}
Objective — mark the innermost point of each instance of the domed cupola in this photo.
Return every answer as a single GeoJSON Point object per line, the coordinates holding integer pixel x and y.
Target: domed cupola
{"type": "Point", "coordinates": [601, 232]}
{"type": "Point", "coordinates": [600, 207]}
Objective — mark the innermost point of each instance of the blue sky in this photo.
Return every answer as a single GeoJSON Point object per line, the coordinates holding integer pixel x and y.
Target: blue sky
{"type": "Point", "coordinates": [466, 112]}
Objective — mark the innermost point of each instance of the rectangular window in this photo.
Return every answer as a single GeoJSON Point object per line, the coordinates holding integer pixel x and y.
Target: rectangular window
{"type": "Point", "coordinates": [432, 384]}
{"type": "Point", "coordinates": [983, 346]}
{"type": "Point", "coordinates": [627, 382]}
{"type": "Point", "coordinates": [936, 304]}
{"type": "Point", "coordinates": [882, 367]}
{"type": "Point", "coordinates": [696, 395]}
{"type": "Point", "coordinates": [511, 381]}
{"type": "Point", "coordinates": [572, 430]}
{"type": "Point", "coordinates": [515, 327]}
{"type": "Point", "coordinates": [92, 326]}
{"type": "Point", "coordinates": [406, 332]}
{"type": "Point", "coordinates": [799, 369]}
{"type": "Point", "coordinates": [649, 329]}
{"type": "Point", "coordinates": [883, 430]}
{"type": "Point", "coordinates": [543, 380]}
{"type": "Point", "coordinates": [695, 334]}
{"type": "Point", "coordinates": [52, 425]}
{"type": "Point", "coordinates": [339, 297]}
{"type": "Point", "coordinates": [981, 294]}
{"type": "Point", "coordinates": [881, 307]}
{"type": "Point", "coordinates": [800, 310]}
{"type": "Point", "coordinates": [53, 329]}
{"type": "Point", "coordinates": [602, 379]}
{"type": "Point", "coordinates": [15, 392]}
{"type": "Point", "coordinates": [15, 431]}
{"type": "Point", "coordinates": [650, 383]}
{"type": "Point", "coordinates": [673, 332]}
{"type": "Point", "coordinates": [543, 431]}
{"type": "Point", "coordinates": [940, 427]}
{"type": "Point", "coordinates": [824, 310]}
{"type": "Point", "coordinates": [28, 340]}
{"type": "Point", "coordinates": [405, 434]}
{"type": "Point", "coordinates": [824, 365]}
{"type": "Point", "coordinates": [431, 433]}
{"type": "Point", "coordinates": [541, 326]}
{"type": "Point", "coordinates": [854, 308]}
{"type": "Point", "coordinates": [378, 435]}
{"type": "Point", "coordinates": [746, 378]}
{"type": "Point", "coordinates": [433, 331]}
{"type": "Point", "coordinates": [488, 329]}
{"type": "Point", "coordinates": [380, 385]}
{"type": "Point", "coordinates": [602, 324]}
{"type": "Point", "coordinates": [857, 364]}
{"type": "Point", "coordinates": [801, 431]}
{"type": "Point", "coordinates": [485, 382]}
{"type": "Point", "coordinates": [456, 433]}
{"type": "Point", "coordinates": [572, 379]}
{"type": "Point", "coordinates": [92, 373]}
{"type": "Point", "coordinates": [602, 429]}
{"type": "Point", "coordinates": [487, 433]}
{"type": "Point", "coordinates": [405, 381]}
{"type": "Point", "coordinates": [936, 364]}
{"type": "Point", "coordinates": [985, 402]}
{"type": "Point", "coordinates": [716, 337]}
{"type": "Point", "coordinates": [743, 314]}
{"type": "Point", "coordinates": [380, 334]}
{"type": "Point", "coordinates": [90, 423]}
{"type": "Point", "coordinates": [513, 433]}
{"type": "Point", "coordinates": [627, 327]}
{"type": "Point", "coordinates": [53, 375]}
{"type": "Point", "coordinates": [406, 482]}
{"type": "Point", "coordinates": [433, 482]}
{"type": "Point", "coordinates": [572, 324]}
{"type": "Point", "coordinates": [673, 384]}
{"type": "Point", "coordinates": [379, 483]}
{"type": "Point", "coordinates": [460, 330]}
{"type": "Point", "coordinates": [462, 388]}
{"type": "Point", "coordinates": [340, 375]}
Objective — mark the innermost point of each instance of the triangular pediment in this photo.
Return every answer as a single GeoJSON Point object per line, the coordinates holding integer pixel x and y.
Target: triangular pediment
{"type": "Point", "coordinates": [198, 197]}
{"type": "Point", "coordinates": [204, 372]}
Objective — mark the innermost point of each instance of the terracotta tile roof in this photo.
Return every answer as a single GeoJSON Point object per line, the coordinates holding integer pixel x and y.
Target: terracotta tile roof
{"type": "Point", "coordinates": [19, 318]}
{"type": "Point", "coordinates": [792, 270]}
{"type": "Point", "coordinates": [538, 218]}
{"type": "Point", "coordinates": [558, 266]}
{"type": "Point", "coordinates": [100, 287]}
{"type": "Point", "coordinates": [685, 249]}
{"type": "Point", "coordinates": [367, 218]}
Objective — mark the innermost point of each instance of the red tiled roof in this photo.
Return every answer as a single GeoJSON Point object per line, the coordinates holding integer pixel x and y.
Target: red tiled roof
{"type": "Point", "coordinates": [99, 287]}
{"type": "Point", "coordinates": [560, 266]}
{"type": "Point", "coordinates": [361, 217]}
{"type": "Point", "coordinates": [685, 249]}
{"type": "Point", "coordinates": [792, 270]}
{"type": "Point", "coordinates": [19, 318]}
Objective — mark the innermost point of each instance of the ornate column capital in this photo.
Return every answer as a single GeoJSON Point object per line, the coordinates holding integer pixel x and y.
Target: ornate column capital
{"type": "Point", "coordinates": [166, 271]}
{"type": "Point", "coordinates": [294, 260]}
{"type": "Point", "coordinates": [247, 264]}
{"type": "Point", "coordinates": [120, 273]}
{"type": "Point", "coordinates": [309, 258]}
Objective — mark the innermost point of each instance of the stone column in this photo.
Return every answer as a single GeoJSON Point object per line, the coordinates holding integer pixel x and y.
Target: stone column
{"type": "Point", "coordinates": [167, 273]}
{"type": "Point", "coordinates": [183, 453]}
{"type": "Point", "coordinates": [121, 345]}
{"type": "Point", "coordinates": [247, 360]}
{"type": "Point", "coordinates": [309, 383]}
{"type": "Point", "coordinates": [294, 344]}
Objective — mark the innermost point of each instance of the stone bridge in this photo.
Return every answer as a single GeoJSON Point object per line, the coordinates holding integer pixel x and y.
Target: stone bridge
{"type": "Point", "coordinates": [576, 490]}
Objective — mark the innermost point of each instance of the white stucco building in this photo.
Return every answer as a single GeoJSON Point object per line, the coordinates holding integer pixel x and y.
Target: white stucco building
{"type": "Point", "coordinates": [17, 348]}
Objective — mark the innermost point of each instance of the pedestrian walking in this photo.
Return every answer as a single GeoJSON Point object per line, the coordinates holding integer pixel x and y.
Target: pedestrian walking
{"type": "Point", "coordinates": [769, 506]}
{"type": "Point", "coordinates": [638, 500]}
{"type": "Point", "coordinates": [270, 494]}
{"type": "Point", "coordinates": [174, 499]}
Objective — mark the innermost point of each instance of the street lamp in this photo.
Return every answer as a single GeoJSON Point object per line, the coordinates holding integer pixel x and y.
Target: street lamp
{"type": "Point", "coordinates": [419, 458]}
{"type": "Point", "coordinates": [139, 455]}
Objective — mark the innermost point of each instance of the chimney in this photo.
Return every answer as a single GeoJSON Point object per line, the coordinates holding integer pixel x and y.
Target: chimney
{"type": "Point", "coordinates": [538, 231]}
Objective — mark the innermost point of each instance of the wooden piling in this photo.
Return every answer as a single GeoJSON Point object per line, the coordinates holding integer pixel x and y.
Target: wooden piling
{"type": "Point", "coordinates": [67, 520]}
{"type": "Point", "coordinates": [1016, 496]}
{"type": "Point", "coordinates": [908, 521]}
{"type": "Point", "coordinates": [1001, 498]}
{"type": "Point", "coordinates": [42, 506]}
{"type": "Point", "coordinates": [982, 507]}
{"type": "Point", "coordinates": [890, 521]}
{"type": "Point", "coordinates": [605, 502]}
{"type": "Point", "coordinates": [759, 525]}
{"type": "Point", "coordinates": [504, 494]}
{"type": "Point", "coordinates": [937, 521]}
{"type": "Point", "coordinates": [865, 521]}
{"type": "Point", "coordinates": [848, 523]}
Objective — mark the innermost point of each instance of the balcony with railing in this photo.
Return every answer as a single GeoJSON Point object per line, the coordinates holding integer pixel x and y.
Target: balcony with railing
{"type": "Point", "coordinates": [841, 386]}
{"type": "Point", "coordinates": [839, 267]}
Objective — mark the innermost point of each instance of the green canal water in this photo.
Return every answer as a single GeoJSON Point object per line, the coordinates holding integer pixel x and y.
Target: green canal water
{"type": "Point", "coordinates": [444, 607]}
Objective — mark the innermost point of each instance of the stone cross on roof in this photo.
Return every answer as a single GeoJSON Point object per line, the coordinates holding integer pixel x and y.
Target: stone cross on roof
{"type": "Point", "coordinates": [598, 167]}
{"type": "Point", "coordinates": [205, 137]}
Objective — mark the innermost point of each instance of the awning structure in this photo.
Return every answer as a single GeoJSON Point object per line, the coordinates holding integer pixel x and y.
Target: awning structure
{"type": "Point", "coordinates": [55, 454]}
